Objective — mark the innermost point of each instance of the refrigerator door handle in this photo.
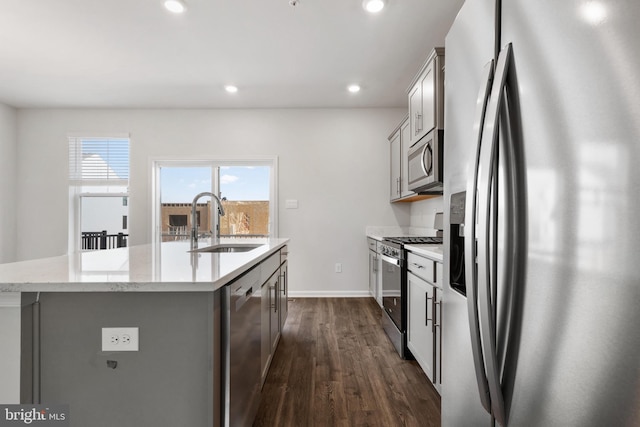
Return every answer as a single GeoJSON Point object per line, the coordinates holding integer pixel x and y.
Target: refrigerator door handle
{"type": "Point", "coordinates": [470, 246]}
{"type": "Point", "coordinates": [486, 171]}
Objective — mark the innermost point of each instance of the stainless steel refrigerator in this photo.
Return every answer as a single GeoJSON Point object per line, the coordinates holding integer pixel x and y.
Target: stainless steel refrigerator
{"type": "Point", "coordinates": [541, 306]}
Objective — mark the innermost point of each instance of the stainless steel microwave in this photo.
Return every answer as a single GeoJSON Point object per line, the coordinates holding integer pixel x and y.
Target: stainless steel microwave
{"type": "Point", "coordinates": [425, 164]}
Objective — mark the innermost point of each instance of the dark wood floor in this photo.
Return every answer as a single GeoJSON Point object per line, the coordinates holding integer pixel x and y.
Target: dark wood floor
{"type": "Point", "coordinates": [335, 366]}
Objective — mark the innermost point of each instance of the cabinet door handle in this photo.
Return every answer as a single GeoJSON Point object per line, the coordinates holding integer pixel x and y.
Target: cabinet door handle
{"type": "Point", "coordinates": [426, 309]}
{"type": "Point", "coordinates": [417, 265]}
{"type": "Point", "coordinates": [283, 280]}
{"type": "Point", "coordinates": [436, 309]}
{"type": "Point", "coordinates": [418, 122]}
{"type": "Point", "coordinates": [273, 301]}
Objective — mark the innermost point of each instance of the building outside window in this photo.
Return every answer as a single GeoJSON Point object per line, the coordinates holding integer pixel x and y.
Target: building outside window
{"type": "Point", "coordinates": [245, 187]}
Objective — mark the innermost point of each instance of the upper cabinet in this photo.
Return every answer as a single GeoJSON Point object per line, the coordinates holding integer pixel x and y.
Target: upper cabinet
{"type": "Point", "coordinates": [426, 112]}
{"type": "Point", "coordinates": [399, 143]}
{"type": "Point", "coordinates": [426, 97]}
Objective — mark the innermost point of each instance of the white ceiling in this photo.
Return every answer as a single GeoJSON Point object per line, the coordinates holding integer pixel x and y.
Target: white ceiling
{"type": "Point", "coordinates": [133, 53]}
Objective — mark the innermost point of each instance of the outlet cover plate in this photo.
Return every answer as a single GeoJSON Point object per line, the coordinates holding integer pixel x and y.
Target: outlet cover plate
{"type": "Point", "coordinates": [120, 339]}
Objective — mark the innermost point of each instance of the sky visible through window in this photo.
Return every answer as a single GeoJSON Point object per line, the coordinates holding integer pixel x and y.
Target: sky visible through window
{"type": "Point", "coordinates": [181, 184]}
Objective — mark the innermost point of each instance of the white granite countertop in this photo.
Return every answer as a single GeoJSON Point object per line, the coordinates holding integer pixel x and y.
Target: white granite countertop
{"type": "Point", "coordinates": [160, 267]}
{"type": "Point", "coordinates": [434, 252]}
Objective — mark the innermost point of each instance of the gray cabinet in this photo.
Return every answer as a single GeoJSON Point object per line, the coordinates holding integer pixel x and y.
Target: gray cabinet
{"type": "Point", "coordinates": [284, 293]}
{"type": "Point", "coordinates": [395, 176]}
{"type": "Point", "coordinates": [373, 267]}
{"type": "Point", "coordinates": [273, 286]}
{"type": "Point", "coordinates": [270, 324]}
{"type": "Point", "coordinates": [399, 142]}
{"type": "Point", "coordinates": [420, 334]}
{"type": "Point", "coordinates": [274, 306]}
{"type": "Point", "coordinates": [375, 264]}
{"type": "Point", "coordinates": [426, 97]}
{"type": "Point", "coordinates": [424, 315]}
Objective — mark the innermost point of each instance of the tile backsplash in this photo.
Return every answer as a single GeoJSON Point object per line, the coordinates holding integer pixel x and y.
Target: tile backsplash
{"type": "Point", "coordinates": [423, 212]}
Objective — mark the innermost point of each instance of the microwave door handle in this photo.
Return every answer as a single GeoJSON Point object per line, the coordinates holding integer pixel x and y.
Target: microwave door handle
{"type": "Point", "coordinates": [425, 169]}
{"type": "Point", "coordinates": [470, 242]}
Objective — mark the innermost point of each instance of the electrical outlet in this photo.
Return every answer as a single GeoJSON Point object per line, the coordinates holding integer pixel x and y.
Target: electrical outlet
{"type": "Point", "coordinates": [338, 267]}
{"type": "Point", "coordinates": [120, 339]}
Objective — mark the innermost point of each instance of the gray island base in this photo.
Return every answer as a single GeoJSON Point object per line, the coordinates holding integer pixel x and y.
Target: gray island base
{"type": "Point", "coordinates": [204, 345]}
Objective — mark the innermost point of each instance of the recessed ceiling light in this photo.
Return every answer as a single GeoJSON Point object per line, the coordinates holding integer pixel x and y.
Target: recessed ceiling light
{"type": "Point", "coordinates": [175, 6]}
{"type": "Point", "coordinates": [353, 88]}
{"type": "Point", "coordinates": [231, 88]}
{"type": "Point", "coordinates": [373, 6]}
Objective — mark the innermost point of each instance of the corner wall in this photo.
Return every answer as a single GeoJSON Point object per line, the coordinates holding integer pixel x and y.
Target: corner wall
{"type": "Point", "coordinates": [335, 162]}
{"type": "Point", "coordinates": [8, 158]}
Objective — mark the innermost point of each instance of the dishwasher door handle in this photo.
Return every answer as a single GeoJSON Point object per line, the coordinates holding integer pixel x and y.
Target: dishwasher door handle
{"type": "Point", "coordinates": [243, 299]}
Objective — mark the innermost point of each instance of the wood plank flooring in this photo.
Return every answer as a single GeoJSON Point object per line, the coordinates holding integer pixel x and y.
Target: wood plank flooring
{"type": "Point", "coordinates": [335, 366]}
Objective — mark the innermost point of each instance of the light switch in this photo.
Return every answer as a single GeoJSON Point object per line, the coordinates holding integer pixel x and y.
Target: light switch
{"type": "Point", "coordinates": [291, 204]}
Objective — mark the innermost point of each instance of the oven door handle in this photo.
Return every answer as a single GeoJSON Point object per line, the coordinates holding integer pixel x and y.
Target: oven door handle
{"type": "Point", "coordinates": [392, 261]}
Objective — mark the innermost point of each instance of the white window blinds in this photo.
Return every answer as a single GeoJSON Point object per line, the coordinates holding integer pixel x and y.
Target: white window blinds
{"type": "Point", "coordinates": [98, 161]}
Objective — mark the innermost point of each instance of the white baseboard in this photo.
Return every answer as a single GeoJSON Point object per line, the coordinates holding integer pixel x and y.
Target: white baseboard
{"type": "Point", "coordinates": [329, 294]}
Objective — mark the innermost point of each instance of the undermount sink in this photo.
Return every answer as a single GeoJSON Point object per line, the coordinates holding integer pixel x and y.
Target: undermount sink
{"type": "Point", "coordinates": [229, 247]}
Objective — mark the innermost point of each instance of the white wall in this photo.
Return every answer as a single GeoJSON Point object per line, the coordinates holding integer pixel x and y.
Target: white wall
{"type": "Point", "coordinates": [8, 157]}
{"type": "Point", "coordinates": [335, 162]}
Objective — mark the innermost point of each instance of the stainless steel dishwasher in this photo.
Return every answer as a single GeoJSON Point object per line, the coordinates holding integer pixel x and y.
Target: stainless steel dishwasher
{"type": "Point", "coordinates": [242, 327]}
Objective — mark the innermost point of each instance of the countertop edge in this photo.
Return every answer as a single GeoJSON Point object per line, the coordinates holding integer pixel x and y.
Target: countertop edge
{"type": "Point", "coordinates": [433, 252]}
{"type": "Point", "coordinates": [7, 288]}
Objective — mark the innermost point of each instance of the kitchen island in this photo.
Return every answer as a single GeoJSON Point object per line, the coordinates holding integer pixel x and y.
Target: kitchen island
{"type": "Point", "coordinates": [179, 302]}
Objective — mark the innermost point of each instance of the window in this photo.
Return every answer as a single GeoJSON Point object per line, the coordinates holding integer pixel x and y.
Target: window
{"type": "Point", "coordinates": [98, 189]}
{"type": "Point", "coordinates": [246, 188]}
{"type": "Point", "coordinates": [178, 220]}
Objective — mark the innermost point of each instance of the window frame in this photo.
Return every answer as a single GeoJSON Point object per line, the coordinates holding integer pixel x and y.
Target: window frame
{"type": "Point", "coordinates": [215, 163]}
{"type": "Point", "coordinates": [76, 192]}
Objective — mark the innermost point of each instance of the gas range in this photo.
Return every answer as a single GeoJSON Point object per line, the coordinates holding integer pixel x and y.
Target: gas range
{"type": "Point", "coordinates": [415, 240]}
{"type": "Point", "coordinates": [394, 287]}
{"type": "Point", "coordinates": [393, 246]}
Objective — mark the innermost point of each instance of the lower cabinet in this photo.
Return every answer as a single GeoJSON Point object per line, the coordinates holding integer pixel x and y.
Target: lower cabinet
{"type": "Point", "coordinates": [375, 264]}
{"type": "Point", "coordinates": [274, 308]}
{"type": "Point", "coordinates": [266, 341]}
{"type": "Point", "coordinates": [373, 274]}
{"type": "Point", "coordinates": [284, 294]}
{"type": "Point", "coordinates": [274, 315]}
{"type": "Point", "coordinates": [420, 319]}
{"type": "Point", "coordinates": [424, 316]}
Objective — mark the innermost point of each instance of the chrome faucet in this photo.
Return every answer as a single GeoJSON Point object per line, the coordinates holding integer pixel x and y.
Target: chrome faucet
{"type": "Point", "coordinates": [194, 222]}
